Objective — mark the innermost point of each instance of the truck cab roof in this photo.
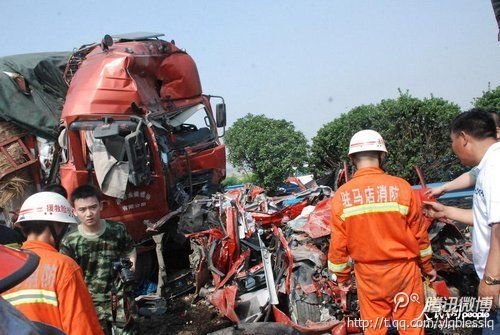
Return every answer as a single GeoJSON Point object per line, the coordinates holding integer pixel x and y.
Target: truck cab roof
{"type": "Point", "coordinates": [136, 36]}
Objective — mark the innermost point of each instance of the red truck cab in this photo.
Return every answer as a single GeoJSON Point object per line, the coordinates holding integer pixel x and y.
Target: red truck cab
{"type": "Point", "coordinates": [137, 125]}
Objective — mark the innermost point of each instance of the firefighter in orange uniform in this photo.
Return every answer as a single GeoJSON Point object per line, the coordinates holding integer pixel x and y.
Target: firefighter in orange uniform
{"type": "Point", "coordinates": [377, 222]}
{"type": "Point", "coordinates": [55, 293]}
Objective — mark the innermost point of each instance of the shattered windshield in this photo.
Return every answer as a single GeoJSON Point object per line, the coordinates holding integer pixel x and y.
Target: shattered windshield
{"type": "Point", "coordinates": [188, 127]}
{"type": "Point", "coordinates": [196, 115]}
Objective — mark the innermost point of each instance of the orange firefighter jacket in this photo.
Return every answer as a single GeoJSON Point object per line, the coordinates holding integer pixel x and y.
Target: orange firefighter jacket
{"type": "Point", "coordinates": [55, 293]}
{"type": "Point", "coordinates": [376, 218]}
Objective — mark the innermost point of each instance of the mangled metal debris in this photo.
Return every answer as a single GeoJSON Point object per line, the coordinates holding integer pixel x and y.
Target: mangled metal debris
{"type": "Point", "coordinates": [264, 259]}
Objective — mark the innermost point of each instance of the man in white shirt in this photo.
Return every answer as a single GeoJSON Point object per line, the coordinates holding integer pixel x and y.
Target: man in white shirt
{"type": "Point", "coordinates": [473, 137]}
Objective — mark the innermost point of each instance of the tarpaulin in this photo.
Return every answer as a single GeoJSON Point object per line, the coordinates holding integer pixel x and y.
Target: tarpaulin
{"type": "Point", "coordinates": [36, 106]}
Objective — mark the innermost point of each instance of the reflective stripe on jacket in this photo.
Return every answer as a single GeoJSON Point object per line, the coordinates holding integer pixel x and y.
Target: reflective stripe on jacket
{"type": "Point", "coordinates": [55, 293]}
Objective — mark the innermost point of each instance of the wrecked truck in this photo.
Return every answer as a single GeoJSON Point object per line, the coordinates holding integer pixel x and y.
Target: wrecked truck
{"type": "Point", "coordinates": [126, 114]}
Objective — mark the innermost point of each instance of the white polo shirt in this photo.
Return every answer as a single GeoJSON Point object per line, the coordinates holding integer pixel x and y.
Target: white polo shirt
{"type": "Point", "coordinates": [485, 206]}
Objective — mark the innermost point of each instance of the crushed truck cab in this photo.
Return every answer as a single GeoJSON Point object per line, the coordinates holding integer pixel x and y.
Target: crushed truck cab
{"type": "Point", "coordinates": [135, 122]}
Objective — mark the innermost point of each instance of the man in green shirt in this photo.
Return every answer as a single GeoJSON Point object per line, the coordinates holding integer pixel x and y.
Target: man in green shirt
{"type": "Point", "coordinates": [95, 246]}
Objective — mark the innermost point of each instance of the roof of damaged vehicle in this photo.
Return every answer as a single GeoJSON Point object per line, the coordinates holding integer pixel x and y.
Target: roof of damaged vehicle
{"type": "Point", "coordinates": [136, 36]}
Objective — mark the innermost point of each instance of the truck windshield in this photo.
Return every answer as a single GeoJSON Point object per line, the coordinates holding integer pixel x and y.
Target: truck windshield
{"type": "Point", "coordinates": [196, 116]}
{"type": "Point", "coordinates": [190, 127]}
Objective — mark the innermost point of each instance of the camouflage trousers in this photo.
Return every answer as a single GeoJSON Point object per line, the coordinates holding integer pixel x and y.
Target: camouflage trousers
{"type": "Point", "coordinates": [124, 323]}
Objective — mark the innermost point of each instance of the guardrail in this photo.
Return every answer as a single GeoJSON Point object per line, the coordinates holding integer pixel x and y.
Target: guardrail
{"type": "Point", "coordinates": [462, 194]}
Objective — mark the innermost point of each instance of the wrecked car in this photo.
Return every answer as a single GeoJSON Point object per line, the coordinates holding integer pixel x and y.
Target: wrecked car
{"type": "Point", "coordinates": [262, 259]}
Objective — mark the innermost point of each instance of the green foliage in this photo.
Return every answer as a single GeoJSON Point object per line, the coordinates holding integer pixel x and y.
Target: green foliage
{"type": "Point", "coordinates": [328, 149]}
{"type": "Point", "coordinates": [271, 149]}
{"type": "Point", "coordinates": [489, 99]}
{"type": "Point", "coordinates": [415, 131]}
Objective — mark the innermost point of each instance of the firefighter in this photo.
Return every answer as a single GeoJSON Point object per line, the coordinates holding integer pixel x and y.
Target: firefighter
{"type": "Point", "coordinates": [377, 223]}
{"type": "Point", "coordinates": [55, 293]}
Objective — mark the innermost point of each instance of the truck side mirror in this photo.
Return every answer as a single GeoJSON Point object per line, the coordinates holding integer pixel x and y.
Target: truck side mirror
{"type": "Point", "coordinates": [220, 115]}
{"type": "Point", "coordinates": [106, 42]}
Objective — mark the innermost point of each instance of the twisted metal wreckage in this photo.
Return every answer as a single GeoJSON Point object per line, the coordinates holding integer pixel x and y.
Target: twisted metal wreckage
{"type": "Point", "coordinates": [264, 259]}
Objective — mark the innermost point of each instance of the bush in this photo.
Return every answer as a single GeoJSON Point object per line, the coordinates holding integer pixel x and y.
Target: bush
{"type": "Point", "coordinates": [416, 132]}
{"type": "Point", "coordinates": [270, 149]}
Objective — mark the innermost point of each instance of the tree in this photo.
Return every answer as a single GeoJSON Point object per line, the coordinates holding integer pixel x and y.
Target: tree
{"type": "Point", "coordinates": [328, 149]}
{"type": "Point", "coordinates": [415, 130]}
{"type": "Point", "coordinates": [271, 149]}
{"type": "Point", "coordinates": [417, 133]}
{"type": "Point", "coordinates": [489, 99]}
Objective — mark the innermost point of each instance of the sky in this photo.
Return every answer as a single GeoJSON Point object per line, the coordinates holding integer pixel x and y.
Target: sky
{"type": "Point", "coordinates": [304, 61]}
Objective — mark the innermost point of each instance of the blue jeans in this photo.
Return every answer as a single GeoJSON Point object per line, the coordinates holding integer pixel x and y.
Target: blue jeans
{"type": "Point", "coordinates": [495, 316]}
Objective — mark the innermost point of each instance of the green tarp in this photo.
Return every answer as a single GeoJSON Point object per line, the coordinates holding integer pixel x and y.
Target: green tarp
{"type": "Point", "coordinates": [39, 111]}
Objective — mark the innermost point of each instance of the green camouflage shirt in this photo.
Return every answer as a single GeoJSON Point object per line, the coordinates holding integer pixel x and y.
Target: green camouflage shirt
{"type": "Point", "coordinates": [95, 256]}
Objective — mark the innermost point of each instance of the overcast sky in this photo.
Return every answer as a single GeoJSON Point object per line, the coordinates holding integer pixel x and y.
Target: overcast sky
{"type": "Point", "coordinates": [304, 61]}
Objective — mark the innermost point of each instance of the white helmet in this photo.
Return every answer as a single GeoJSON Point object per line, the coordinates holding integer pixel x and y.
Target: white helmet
{"type": "Point", "coordinates": [366, 140]}
{"type": "Point", "coordinates": [46, 206]}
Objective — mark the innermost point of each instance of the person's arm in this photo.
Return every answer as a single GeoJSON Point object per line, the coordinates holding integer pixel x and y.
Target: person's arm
{"type": "Point", "coordinates": [492, 196]}
{"type": "Point", "coordinates": [65, 248]}
{"type": "Point", "coordinates": [78, 315]}
{"type": "Point", "coordinates": [436, 210]}
{"type": "Point", "coordinates": [465, 180]}
{"type": "Point", "coordinates": [492, 268]}
{"type": "Point", "coordinates": [418, 227]}
{"type": "Point", "coordinates": [337, 254]}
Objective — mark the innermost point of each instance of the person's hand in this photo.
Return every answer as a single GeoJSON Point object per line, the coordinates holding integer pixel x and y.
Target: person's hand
{"type": "Point", "coordinates": [434, 210]}
{"type": "Point", "coordinates": [345, 285]}
{"type": "Point", "coordinates": [435, 192]}
{"type": "Point", "coordinates": [343, 281]}
{"type": "Point", "coordinates": [432, 275]}
{"type": "Point", "coordinates": [493, 291]}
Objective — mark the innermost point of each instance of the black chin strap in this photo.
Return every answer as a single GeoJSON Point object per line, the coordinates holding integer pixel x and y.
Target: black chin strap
{"type": "Point", "coordinates": [57, 237]}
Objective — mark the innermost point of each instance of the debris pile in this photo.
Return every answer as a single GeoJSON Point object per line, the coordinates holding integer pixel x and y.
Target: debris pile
{"type": "Point", "coordinates": [262, 259]}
